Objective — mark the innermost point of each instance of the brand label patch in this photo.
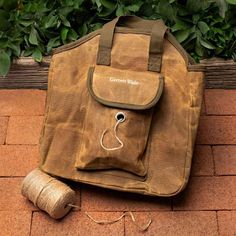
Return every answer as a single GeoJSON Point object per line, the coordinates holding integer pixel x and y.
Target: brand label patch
{"type": "Point", "coordinates": [124, 81]}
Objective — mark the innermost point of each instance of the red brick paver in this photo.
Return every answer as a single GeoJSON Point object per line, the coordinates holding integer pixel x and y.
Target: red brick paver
{"type": "Point", "coordinates": [225, 160]}
{"type": "Point", "coordinates": [24, 129]}
{"type": "Point", "coordinates": [18, 160]}
{"type": "Point", "coordinates": [208, 193]}
{"type": "Point", "coordinates": [227, 222]}
{"type": "Point", "coordinates": [175, 224]}
{"type": "Point", "coordinates": [202, 161]}
{"type": "Point", "coordinates": [22, 102]}
{"type": "Point", "coordinates": [77, 223]}
{"type": "Point", "coordinates": [206, 207]}
{"type": "Point", "coordinates": [220, 102]}
{"type": "Point", "coordinates": [11, 198]}
{"type": "Point", "coordinates": [15, 223]}
{"type": "Point", "coordinates": [217, 130]}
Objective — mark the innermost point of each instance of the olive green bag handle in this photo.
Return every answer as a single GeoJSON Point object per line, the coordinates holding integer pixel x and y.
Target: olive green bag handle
{"type": "Point", "coordinates": [156, 27]}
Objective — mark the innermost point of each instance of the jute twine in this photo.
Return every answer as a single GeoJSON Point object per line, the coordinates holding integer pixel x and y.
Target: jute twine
{"type": "Point", "coordinates": [48, 194]}
{"type": "Point", "coordinates": [57, 199]}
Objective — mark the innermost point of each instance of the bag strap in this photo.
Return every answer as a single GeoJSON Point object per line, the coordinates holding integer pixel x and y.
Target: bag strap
{"type": "Point", "coordinates": [157, 29]}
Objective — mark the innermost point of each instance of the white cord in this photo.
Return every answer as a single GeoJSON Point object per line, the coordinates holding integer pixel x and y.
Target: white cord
{"type": "Point", "coordinates": [117, 138]}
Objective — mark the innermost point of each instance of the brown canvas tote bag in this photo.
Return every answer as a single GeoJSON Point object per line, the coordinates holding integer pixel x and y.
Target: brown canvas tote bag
{"type": "Point", "coordinates": [122, 109]}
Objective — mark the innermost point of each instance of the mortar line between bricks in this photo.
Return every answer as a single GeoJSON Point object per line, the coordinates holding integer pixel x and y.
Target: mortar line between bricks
{"type": "Point", "coordinates": [18, 144]}
{"type": "Point", "coordinates": [160, 211]}
{"type": "Point", "coordinates": [31, 222]}
{"type": "Point", "coordinates": [214, 164]}
{"type": "Point", "coordinates": [204, 210]}
{"type": "Point", "coordinates": [219, 115]}
{"type": "Point", "coordinates": [217, 223]}
{"type": "Point", "coordinates": [11, 177]}
{"type": "Point", "coordinates": [224, 175]}
{"type": "Point", "coordinates": [21, 115]}
{"type": "Point", "coordinates": [5, 139]}
{"type": "Point", "coordinates": [28, 115]}
{"type": "Point", "coordinates": [215, 145]}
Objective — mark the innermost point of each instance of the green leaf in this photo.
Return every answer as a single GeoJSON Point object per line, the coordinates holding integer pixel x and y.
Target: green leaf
{"type": "Point", "coordinates": [203, 27]}
{"type": "Point", "coordinates": [26, 23]}
{"type": "Point", "coordinates": [199, 49]}
{"type": "Point", "coordinates": [179, 25]}
{"type": "Point", "coordinates": [223, 7]}
{"type": "Point", "coordinates": [63, 33]}
{"type": "Point", "coordinates": [147, 10]}
{"type": "Point", "coordinates": [83, 29]}
{"type": "Point", "coordinates": [51, 22]}
{"type": "Point", "coordinates": [96, 26]}
{"type": "Point", "coordinates": [5, 63]}
{"type": "Point", "coordinates": [193, 6]}
{"type": "Point", "coordinates": [4, 23]}
{"type": "Point", "coordinates": [10, 4]}
{"type": "Point", "coordinates": [106, 12]}
{"type": "Point", "coordinates": [166, 10]}
{"type": "Point", "coordinates": [3, 42]}
{"type": "Point", "coordinates": [65, 21]}
{"type": "Point", "coordinates": [98, 3]}
{"type": "Point", "coordinates": [108, 4]}
{"type": "Point", "coordinates": [182, 35]}
{"type": "Point", "coordinates": [28, 52]}
{"type": "Point", "coordinates": [135, 7]}
{"type": "Point", "coordinates": [72, 35]}
{"type": "Point", "coordinates": [206, 44]}
{"type": "Point", "coordinates": [37, 55]}
{"type": "Point", "coordinates": [33, 36]}
{"type": "Point", "coordinates": [231, 2]}
{"type": "Point", "coordinates": [52, 43]}
{"type": "Point", "coordinates": [120, 11]}
{"type": "Point", "coordinates": [15, 48]}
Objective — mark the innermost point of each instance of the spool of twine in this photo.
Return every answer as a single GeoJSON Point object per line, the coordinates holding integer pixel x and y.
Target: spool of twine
{"type": "Point", "coordinates": [48, 193]}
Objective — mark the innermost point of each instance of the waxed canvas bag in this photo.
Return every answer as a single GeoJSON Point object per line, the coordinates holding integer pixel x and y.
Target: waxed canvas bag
{"type": "Point", "coordinates": [122, 109]}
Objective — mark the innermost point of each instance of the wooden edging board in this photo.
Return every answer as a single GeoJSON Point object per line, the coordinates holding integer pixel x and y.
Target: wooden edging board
{"type": "Point", "coordinates": [26, 73]}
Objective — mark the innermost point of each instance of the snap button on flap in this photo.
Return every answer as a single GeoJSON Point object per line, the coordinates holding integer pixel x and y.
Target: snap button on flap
{"type": "Point", "coordinates": [120, 118]}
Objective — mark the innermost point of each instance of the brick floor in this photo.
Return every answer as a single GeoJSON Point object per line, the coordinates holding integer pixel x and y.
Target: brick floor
{"type": "Point", "coordinates": [21, 103]}
{"type": "Point", "coordinates": [220, 102]}
{"type": "Point", "coordinates": [203, 163]}
{"type": "Point", "coordinates": [77, 223]}
{"type": "Point", "coordinates": [14, 156]}
{"type": "Point", "coordinates": [24, 129]}
{"type": "Point", "coordinates": [208, 193]}
{"type": "Point", "coordinates": [97, 199]}
{"type": "Point", "coordinates": [15, 223]}
{"type": "Point", "coordinates": [175, 224]}
{"type": "Point", "coordinates": [225, 160]}
{"type": "Point", "coordinates": [227, 222]}
{"type": "Point", "coordinates": [206, 207]}
{"type": "Point", "coordinates": [3, 129]}
{"type": "Point", "coordinates": [217, 130]}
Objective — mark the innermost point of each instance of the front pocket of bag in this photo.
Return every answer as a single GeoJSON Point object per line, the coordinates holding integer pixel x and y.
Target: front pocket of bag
{"type": "Point", "coordinates": [108, 142]}
{"type": "Point", "coordinates": [100, 148]}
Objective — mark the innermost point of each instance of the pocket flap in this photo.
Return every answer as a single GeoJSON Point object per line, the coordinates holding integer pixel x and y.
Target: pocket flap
{"type": "Point", "coordinates": [125, 88]}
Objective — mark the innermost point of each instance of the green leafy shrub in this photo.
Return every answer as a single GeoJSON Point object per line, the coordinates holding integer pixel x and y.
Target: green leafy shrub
{"type": "Point", "coordinates": [33, 27]}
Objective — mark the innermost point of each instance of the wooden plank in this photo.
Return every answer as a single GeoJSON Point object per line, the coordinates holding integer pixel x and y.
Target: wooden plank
{"type": "Point", "coordinates": [26, 73]}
